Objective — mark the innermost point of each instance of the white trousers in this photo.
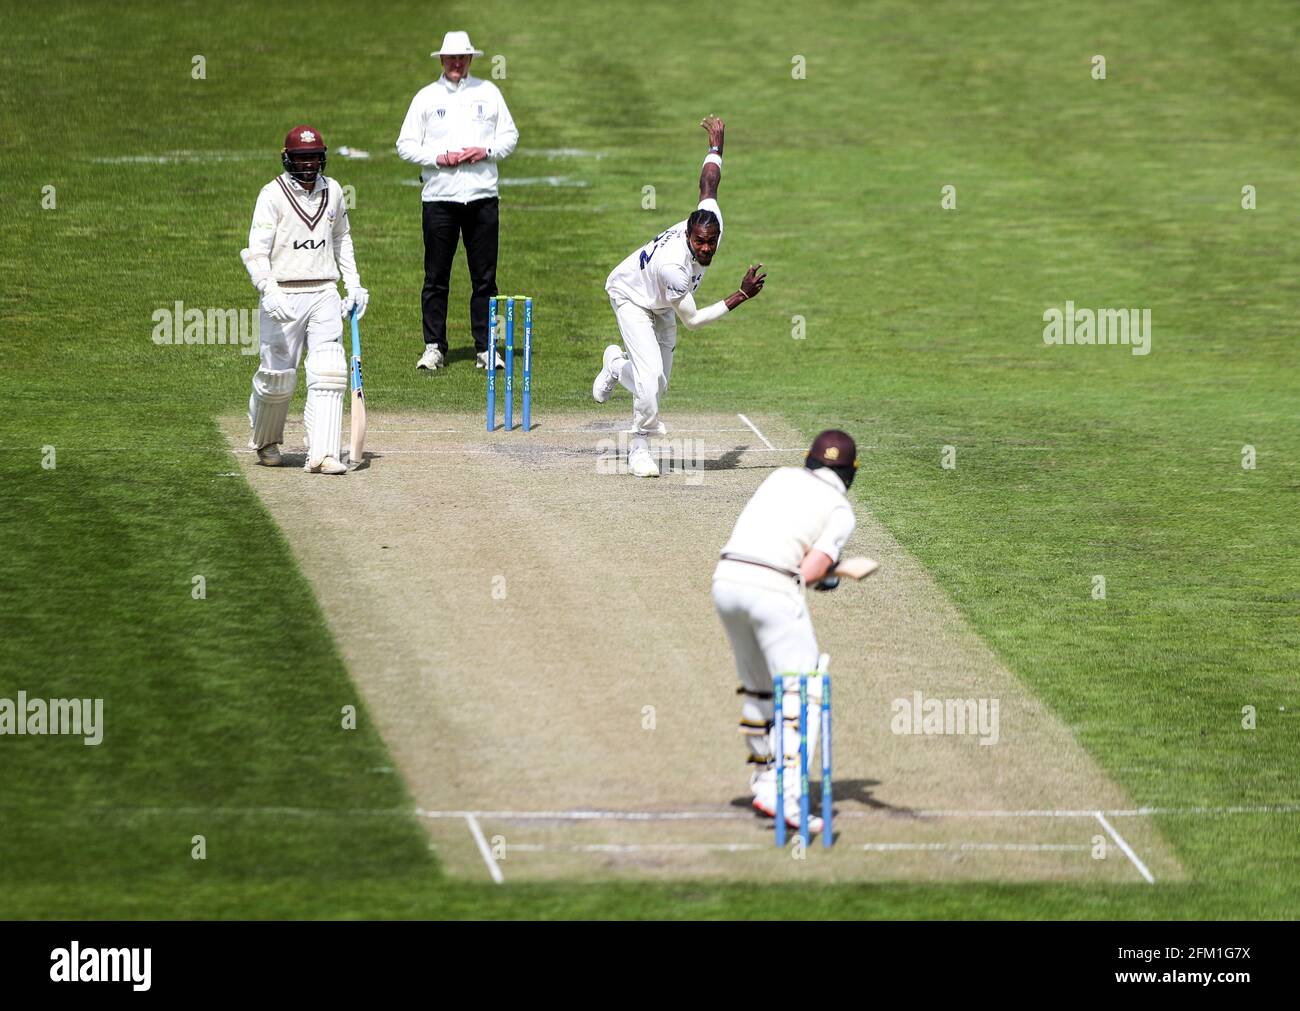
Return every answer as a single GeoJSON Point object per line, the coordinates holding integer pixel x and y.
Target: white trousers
{"type": "Point", "coordinates": [649, 340]}
{"type": "Point", "coordinates": [317, 319]}
{"type": "Point", "coordinates": [771, 633]}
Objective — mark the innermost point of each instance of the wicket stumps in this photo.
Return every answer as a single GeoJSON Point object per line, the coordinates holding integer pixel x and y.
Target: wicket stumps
{"type": "Point", "coordinates": [527, 399]}
{"type": "Point", "coordinates": [778, 692]}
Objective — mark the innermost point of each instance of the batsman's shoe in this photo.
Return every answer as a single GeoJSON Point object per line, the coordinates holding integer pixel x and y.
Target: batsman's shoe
{"type": "Point", "coordinates": [431, 359]}
{"type": "Point", "coordinates": [641, 464]}
{"type": "Point", "coordinates": [480, 360]}
{"type": "Point", "coordinates": [607, 379]}
{"type": "Point", "coordinates": [269, 456]}
{"type": "Point", "coordinates": [328, 465]}
{"type": "Point", "coordinates": [765, 804]}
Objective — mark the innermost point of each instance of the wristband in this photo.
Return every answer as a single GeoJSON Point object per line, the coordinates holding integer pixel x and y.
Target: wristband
{"type": "Point", "coordinates": [257, 273]}
{"type": "Point", "coordinates": [713, 158]}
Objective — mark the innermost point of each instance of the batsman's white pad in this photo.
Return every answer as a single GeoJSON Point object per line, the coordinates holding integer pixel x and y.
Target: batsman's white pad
{"type": "Point", "coordinates": [790, 707]}
{"type": "Point", "coordinates": [269, 405]}
{"type": "Point", "coordinates": [327, 381]}
{"type": "Point", "coordinates": [756, 711]}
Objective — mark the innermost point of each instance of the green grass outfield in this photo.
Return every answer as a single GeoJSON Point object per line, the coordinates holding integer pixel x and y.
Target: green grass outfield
{"type": "Point", "coordinates": [923, 330]}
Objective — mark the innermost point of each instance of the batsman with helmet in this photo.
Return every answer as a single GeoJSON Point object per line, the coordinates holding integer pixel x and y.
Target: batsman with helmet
{"type": "Point", "coordinates": [298, 247]}
{"type": "Point", "coordinates": [789, 536]}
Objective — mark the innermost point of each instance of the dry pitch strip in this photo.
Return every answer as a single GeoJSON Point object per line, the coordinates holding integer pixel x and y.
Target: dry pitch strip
{"type": "Point", "coordinates": [532, 632]}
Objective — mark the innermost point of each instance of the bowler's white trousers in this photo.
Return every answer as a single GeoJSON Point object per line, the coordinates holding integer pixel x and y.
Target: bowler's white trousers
{"type": "Point", "coordinates": [650, 340]}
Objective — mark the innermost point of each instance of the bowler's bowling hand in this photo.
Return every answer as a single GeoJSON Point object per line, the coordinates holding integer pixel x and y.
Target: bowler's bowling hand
{"type": "Point", "coordinates": [716, 129]}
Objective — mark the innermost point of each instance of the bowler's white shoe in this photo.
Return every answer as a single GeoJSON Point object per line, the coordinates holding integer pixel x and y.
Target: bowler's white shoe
{"type": "Point", "coordinates": [660, 430]}
{"type": "Point", "coordinates": [431, 359]}
{"type": "Point", "coordinates": [328, 465]}
{"type": "Point", "coordinates": [480, 360]}
{"type": "Point", "coordinates": [269, 456]}
{"type": "Point", "coordinates": [607, 379]}
{"type": "Point", "coordinates": [641, 463]}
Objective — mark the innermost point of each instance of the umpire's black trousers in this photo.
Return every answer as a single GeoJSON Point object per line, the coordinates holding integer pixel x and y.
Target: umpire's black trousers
{"type": "Point", "coordinates": [445, 221]}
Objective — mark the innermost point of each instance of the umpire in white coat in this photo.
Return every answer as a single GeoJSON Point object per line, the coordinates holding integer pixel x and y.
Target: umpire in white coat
{"type": "Point", "coordinates": [457, 129]}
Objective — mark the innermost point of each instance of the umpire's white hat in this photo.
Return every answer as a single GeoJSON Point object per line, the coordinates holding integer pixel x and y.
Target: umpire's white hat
{"type": "Point", "coordinates": [457, 44]}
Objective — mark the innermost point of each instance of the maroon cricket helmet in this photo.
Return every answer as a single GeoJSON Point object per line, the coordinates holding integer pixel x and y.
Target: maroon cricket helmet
{"type": "Point", "coordinates": [836, 450]}
{"type": "Point", "coordinates": [303, 140]}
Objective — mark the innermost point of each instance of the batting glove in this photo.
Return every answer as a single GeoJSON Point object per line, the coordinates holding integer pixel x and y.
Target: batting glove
{"type": "Point", "coordinates": [273, 305]}
{"type": "Point", "coordinates": [828, 583]}
{"type": "Point", "coordinates": [358, 298]}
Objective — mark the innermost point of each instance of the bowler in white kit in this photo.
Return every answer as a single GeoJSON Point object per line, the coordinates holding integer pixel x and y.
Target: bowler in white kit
{"type": "Point", "coordinates": [650, 290]}
{"type": "Point", "coordinates": [299, 246]}
{"type": "Point", "coordinates": [789, 536]}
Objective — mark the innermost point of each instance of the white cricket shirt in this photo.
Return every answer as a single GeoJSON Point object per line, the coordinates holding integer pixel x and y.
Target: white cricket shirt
{"type": "Point", "coordinates": [450, 117]}
{"type": "Point", "coordinates": [663, 270]}
{"type": "Point", "coordinates": [794, 511]}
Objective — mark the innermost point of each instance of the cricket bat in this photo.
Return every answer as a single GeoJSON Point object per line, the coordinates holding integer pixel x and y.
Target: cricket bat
{"type": "Point", "coordinates": [854, 568]}
{"type": "Point", "coordinates": [358, 411]}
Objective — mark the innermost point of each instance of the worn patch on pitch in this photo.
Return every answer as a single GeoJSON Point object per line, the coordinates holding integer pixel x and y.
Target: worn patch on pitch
{"type": "Point", "coordinates": [532, 631]}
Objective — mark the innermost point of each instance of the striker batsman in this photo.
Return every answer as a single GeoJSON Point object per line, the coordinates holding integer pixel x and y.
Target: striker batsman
{"type": "Point", "coordinates": [789, 535]}
{"type": "Point", "coordinates": [298, 246]}
{"type": "Point", "coordinates": [654, 287]}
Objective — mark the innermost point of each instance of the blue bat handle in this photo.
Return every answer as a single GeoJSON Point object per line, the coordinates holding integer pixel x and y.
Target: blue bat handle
{"type": "Point", "coordinates": [356, 353]}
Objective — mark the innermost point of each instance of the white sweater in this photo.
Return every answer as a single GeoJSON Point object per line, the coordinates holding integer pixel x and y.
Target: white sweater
{"type": "Point", "coordinates": [298, 236]}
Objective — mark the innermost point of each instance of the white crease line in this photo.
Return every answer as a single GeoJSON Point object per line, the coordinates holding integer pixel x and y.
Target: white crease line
{"type": "Point", "coordinates": [558, 152]}
{"type": "Point", "coordinates": [968, 847]}
{"type": "Point", "coordinates": [637, 847]}
{"type": "Point", "coordinates": [755, 430]}
{"type": "Point", "coordinates": [715, 815]}
{"type": "Point", "coordinates": [559, 182]}
{"type": "Point", "coordinates": [1128, 850]}
{"type": "Point", "coordinates": [477, 832]}
{"type": "Point", "coordinates": [565, 431]}
{"type": "Point", "coordinates": [595, 815]}
{"type": "Point", "coordinates": [178, 158]}
{"type": "Point", "coordinates": [749, 847]}
{"type": "Point", "coordinates": [1237, 809]}
{"type": "Point", "coordinates": [381, 451]}
{"type": "Point", "coordinates": [591, 815]}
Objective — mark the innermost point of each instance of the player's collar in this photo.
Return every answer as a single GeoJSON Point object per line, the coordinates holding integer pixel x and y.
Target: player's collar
{"type": "Point", "coordinates": [464, 81]}
{"type": "Point", "coordinates": [320, 179]}
{"type": "Point", "coordinates": [831, 478]}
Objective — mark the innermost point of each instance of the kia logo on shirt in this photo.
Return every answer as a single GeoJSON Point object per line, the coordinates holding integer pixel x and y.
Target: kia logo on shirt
{"type": "Point", "coordinates": [309, 244]}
